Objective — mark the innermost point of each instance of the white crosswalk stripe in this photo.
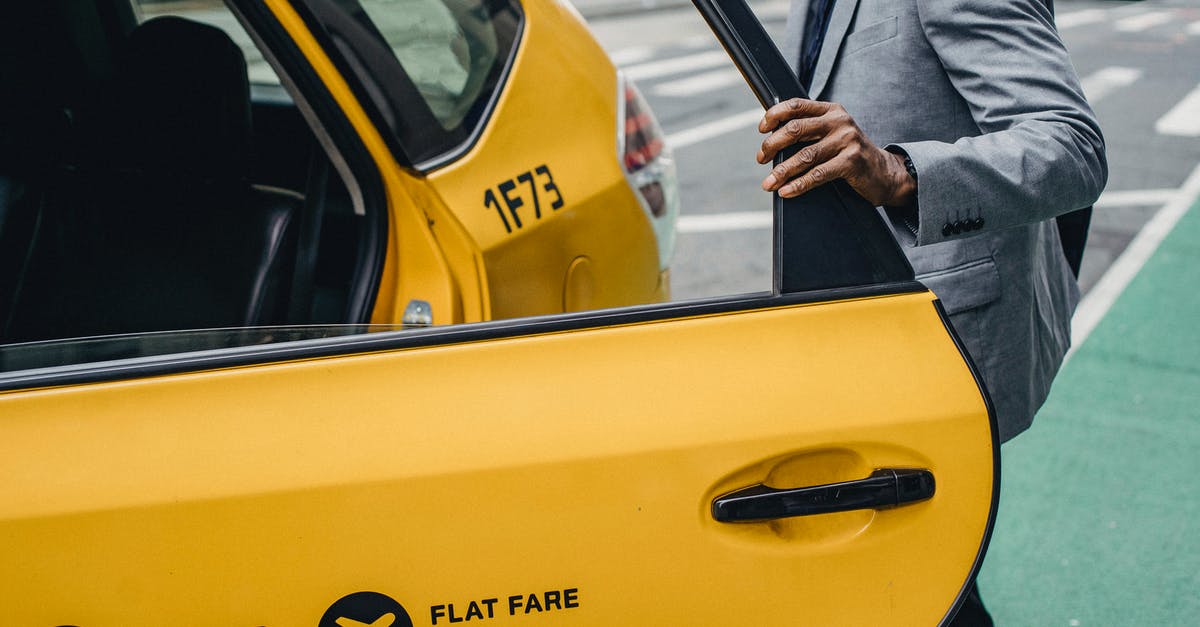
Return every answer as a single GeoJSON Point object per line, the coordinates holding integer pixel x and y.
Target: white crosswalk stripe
{"type": "Point", "coordinates": [677, 65]}
{"type": "Point", "coordinates": [1194, 28]}
{"type": "Point", "coordinates": [1080, 18]}
{"type": "Point", "coordinates": [698, 84]}
{"type": "Point", "coordinates": [705, 40]}
{"type": "Point", "coordinates": [628, 56]}
{"type": "Point", "coordinates": [719, 222]}
{"type": "Point", "coordinates": [1135, 198]}
{"type": "Point", "coordinates": [1143, 21]}
{"type": "Point", "coordinates": [1104, 82]}
{"type": "Point", "coordinates": [771, 11]}
{"type": "Point", "coordinates": [1184, 118]}
{"type": "Point", "coordinates": [709, 130]}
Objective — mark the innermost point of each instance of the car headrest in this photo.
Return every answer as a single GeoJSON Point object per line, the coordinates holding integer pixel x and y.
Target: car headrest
{"type": "Point", "coordinates": [43, 78]}
{"type": "Point", "coordinates": [181, 101]}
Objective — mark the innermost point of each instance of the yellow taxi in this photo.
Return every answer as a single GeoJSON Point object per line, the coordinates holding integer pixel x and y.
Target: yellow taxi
{"type": "Point", "coordinates": [204, 208]}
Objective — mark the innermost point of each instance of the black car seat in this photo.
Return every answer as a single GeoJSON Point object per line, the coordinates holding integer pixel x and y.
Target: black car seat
{"type": "Point", "coordinates": [159, 227]}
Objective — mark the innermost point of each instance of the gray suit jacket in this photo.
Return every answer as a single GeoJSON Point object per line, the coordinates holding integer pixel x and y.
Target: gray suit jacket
{"type": "Point", "coordinates": [982, 96]}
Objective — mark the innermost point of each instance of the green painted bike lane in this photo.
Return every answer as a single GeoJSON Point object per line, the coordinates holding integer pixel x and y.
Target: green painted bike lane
{"type": "Point", "coordinates": [1099, 520]}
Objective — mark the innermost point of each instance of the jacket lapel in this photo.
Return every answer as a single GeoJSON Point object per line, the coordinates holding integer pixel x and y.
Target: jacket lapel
{"type": "Point", "coordinates": [839, 23]}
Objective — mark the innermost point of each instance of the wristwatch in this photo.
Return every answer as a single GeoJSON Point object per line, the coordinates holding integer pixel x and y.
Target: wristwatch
{"type": "Point", "coordinates": [908, 164]}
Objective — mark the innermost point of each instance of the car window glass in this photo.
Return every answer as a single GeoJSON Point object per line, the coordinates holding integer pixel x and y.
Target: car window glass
{"type": "Point", "coordinates": [214, 13]}
{"type": "Point", "coordinates": [447, 47]}
{"type": "Point", "coordinates": [429, 69]}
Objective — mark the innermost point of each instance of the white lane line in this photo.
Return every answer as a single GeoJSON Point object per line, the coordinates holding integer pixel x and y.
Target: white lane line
{"type": "Point", "coordinates": [1183, 119]}
{"type": "Point", "coordinates": [635, 54]}
{"type": "Point", "coordinates": [1098, 302]}
{"type": "Point", "coordinates": [747, 220]}
{"type": "Point", "coordinates": [1142, 21]}
{"type": "Point", "coordinates": [1135, 198]}
{"type": "Point", "coordinates": [1194, 28]}
{"type": "Point", "coordinates": [677, 65]}
{"type": "Point", "coordinates": [1080, 18]}
{"type": "Point", "coordinates": [732, 221]}
{"type": "Point", "coordinates": [1102, 296]}
{"type": "Point", "coordinates": [1104, 82]}
{"type": "Point", "coordinates": [715, 128]}
{"type": "Point", "coordinates": [698, 84]}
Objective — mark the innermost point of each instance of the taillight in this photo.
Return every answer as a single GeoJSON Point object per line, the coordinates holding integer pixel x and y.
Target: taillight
{"type": "Point", "coordinates": [649, 166]}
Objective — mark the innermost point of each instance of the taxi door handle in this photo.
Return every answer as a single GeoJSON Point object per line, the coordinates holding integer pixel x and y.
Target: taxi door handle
{"type": "Point", "coordinates": [886, 487]}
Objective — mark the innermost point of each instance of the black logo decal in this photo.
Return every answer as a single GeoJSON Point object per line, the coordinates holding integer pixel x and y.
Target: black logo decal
{"type": "Point", "coordinates": [366, 609]}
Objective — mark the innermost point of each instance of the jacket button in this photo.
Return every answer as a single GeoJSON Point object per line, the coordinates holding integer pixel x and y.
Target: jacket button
{"type": "Point", "coordinates": [947, 229]}
{"type": "Point", "coordinates": [978, 223]}
{"type": "Point", "coordinates": [958, 227]}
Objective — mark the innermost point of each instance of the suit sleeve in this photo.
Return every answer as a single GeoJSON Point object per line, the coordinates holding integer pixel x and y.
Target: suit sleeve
{"type": "Point", "coordinates": [1039, 153]}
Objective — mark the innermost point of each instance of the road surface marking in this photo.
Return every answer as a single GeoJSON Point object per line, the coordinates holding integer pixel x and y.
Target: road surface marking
{"type": "Point", "coordinates": [772, 10]}
{"type": "Point", "coordinates": [636, 54]}
{"type": "Point", "coordinates": [1183, 119]}
{"type": "Point", "coordinates": [1135, 198]}
{"type": "Point", "coordinates": [1102, 296]}
{"type": "Point", "coordinates": [1108, 80]}
{"type": "Point", "coordinates": [678, 65]}
{"type": "Point", "coordinates": [747, 220]}
{"type": "Point", "coordinates": [704, 40]}
{"type": "Point", "coordinates": [1194, 28]}
{"type": "Point", "coordinates": [709, 130]}
{"type": "Point", "coordinates": [1080, 18]}
{"type": "Point", "coordinates": [698, 84]}
{"type": "Point", "coordinates": [1142, 21]}
{"type": "Point", "coordinates": [733, 221]}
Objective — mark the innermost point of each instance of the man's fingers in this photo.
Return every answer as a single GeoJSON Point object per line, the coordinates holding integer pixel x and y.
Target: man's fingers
{"type": "Point", "coordinates": [804, 160]}
{"type": "Point", "coordinates": [820, 174]}
{"type": "Point", "coordinates": [793, 132]}
{"type": "Point", "coordinates": [791, 109]}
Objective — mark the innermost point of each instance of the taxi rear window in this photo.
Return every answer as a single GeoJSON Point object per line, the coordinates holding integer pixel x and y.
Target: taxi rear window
{"type": "Point", "coordinates": [448, 48]}
{"type": "Point", "coordinates": [431, 67]}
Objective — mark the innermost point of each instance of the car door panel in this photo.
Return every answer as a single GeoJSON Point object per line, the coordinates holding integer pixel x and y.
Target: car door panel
{"type": "Point", "coordinates": [560, 469]}
{"type": "Point", "coordinates": [582, 461]}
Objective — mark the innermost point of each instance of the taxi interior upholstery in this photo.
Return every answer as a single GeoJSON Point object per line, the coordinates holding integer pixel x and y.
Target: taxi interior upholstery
{"type": "Point", "coordinates": [138, 194]}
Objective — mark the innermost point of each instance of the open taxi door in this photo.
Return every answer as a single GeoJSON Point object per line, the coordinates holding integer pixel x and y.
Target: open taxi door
{"type": "Point", "coordinates": [819, 454]}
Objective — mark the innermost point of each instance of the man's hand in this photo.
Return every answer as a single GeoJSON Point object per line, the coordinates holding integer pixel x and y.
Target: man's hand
{"type": "Point", "coordinates": [840, 151]}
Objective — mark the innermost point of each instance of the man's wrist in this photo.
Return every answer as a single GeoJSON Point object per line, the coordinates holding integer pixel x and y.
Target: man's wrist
{"type": "Point", "coordinates": [904, 178]}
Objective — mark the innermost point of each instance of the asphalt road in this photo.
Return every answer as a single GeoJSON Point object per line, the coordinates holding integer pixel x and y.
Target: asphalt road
{"type": "Point", "coordinates": [1139, 63]}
